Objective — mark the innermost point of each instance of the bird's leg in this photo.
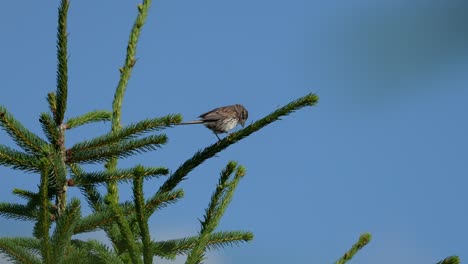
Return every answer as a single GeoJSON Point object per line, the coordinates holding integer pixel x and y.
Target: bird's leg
{"type": "Point", "coordinates": [217, 137]}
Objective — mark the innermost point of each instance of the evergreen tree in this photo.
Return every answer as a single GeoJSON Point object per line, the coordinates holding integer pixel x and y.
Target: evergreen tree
{"type": "Point", "coordinates": [56, 220]}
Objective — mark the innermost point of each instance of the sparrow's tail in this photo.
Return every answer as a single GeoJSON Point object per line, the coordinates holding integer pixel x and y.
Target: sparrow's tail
{"type": "Point", "coordinates": [192, 122]}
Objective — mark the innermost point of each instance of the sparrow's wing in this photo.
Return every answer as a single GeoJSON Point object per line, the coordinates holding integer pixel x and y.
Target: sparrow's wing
{"type": "Point", "coordinates": [213, 115]}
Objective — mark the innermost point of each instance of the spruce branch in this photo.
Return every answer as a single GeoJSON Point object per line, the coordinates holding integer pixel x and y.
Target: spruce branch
{"type": "Point", "coordinates": [103, 177]}
{"type": "Point", "coordinates": [450, 260]}
{"type": "Point", "coordinates": [364, 239]}
{"type": "Point", "coordinates": [79, 256]}
{"type": "Point", "coordinates": [62, 63]}
{"type": "Point", "coordinates": [91, 117]}
{"type": "Point", "coordinates": [128, 132]}
{"type": "Point", "coordinates": [130, 60]}
{"type": "Point", "coordinates": [217, 240]}
{"type": "Point", "coordinates": [18, 160]}
{"type": "Point", "coordinates": [118, 150]}
{"type": "Point", "coordinates": [218, 204]}
{"type": "Point", "coordinates": [64, 230]}
{"type": "Point", "coordinates": [43, 224]}
{"type": "Point", "coordinates": [58, 173]}
{"type": "Point", "coordinates": [52, 101]}
{"type": "Point", "coordinates": [99, 252]}
{"type": "Point", "coordinates": [102, 218]}
{"type": "Point", "coordinates": [18, 211]}
{"type": "Point", "coordinates": [26, 139]}
{"type": "Point", "coordinates": [200, 156]}
{"type": "Point", "coordinates": [17, 253]}
{"type": "Point", "coordinates": [61, 106]}
{"type": "Point", "coordinates": [58, 179]}
{"type": "Point", "coordinates": [163, 200]}
{"type": "Point", "coordinates": [50, 128]}
{"type": "Point", "coordinates": [90, 192]}
{"type": "Point", "coordinates": [27, 195]}
{"type": "Point", "coordinates": [142, 219]}
{"type": "Point", "coordinates": [32, 245]}
{"type": "Point", "coordinates": [33, 198]}
{"type": "Point", "coordinates": [94, 221]}
{"type": "Point", "coordinates": [93, 197]}
{"type": "Point", "coordinates": [128, 238]}
{"type": "Point", "coordinates": [125, 73]}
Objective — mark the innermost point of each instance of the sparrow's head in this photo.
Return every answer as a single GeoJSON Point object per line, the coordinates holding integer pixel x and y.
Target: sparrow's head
{"type": "Point", "coordinates": [242, 114]}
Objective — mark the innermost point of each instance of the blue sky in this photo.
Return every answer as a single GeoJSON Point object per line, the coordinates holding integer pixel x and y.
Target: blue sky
{"type": "Point", "coordinates": [384, 151]}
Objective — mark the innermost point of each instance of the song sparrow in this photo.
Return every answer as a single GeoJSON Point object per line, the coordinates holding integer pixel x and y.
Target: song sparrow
{"type": "Point", "coordinates": [222, 119]}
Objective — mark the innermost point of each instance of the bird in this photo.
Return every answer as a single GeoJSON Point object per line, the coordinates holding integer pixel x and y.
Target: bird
{"type": "Point", "coordinates": [222, 119]}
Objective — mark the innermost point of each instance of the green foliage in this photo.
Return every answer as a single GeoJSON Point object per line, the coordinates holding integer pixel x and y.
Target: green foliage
{"type": "Point", "coordinates": [125, 223]}
{"type": "Point", "coordinates": [16, 252]}
{"type": "Point", "coordinates": [141, 217]}
{"type": "Point", "coordinates": [50, 129]}
{"type": "Point", "coordinates": [130, 60]}
{"type": "Point", "coordinates": [41, 229]}
{"type": "Point", "coordinates": [28, 195]}
{"type": "Point", "coordinates": [171, 248]}
{"type": "Point", "coordinates": [450, 260]}
{"type": "Point", "coordinates": [18, 160]}
{"type": "Point", "coordinates": [62, 64]}
{"type": "Point", "coordinates": [218, 204]}
{"type": "Point", "coordinates": [127, 237]}
{"type": "Point", "coordinates": [32, 245]}
{"type": "Point", "coordinates": [122, 149]}
{"type": "Point", "coordinates": [97, 252]}
{"type": "Point", "coordinates": [128, 132]}
{"type": "Point", "coordinates": [90, 192]}
{"type": "Point", "coordinates": [63, 232]}
{"type": "Point", "coordinates": [161, 201]}
{"type": "Point", "coordinates": [102, 177]}
{"type": "Point", "coordinates": [18, 211]}
{"type": "Point", "coordinates": [91, 117]}
{"type": "Point", "coordinates": [22, 136]}
{"type": "Point", "coordinates": [364, 239]}
{"type": "Point", "coordinates": [52, 100]}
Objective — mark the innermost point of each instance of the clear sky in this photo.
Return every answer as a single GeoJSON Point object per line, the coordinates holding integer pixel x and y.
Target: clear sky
{"type": "Point", "coordinates": [385, 150]}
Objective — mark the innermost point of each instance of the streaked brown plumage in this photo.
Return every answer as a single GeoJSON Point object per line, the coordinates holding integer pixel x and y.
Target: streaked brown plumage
{"type": "Point", "coordinates": [222, 119]}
